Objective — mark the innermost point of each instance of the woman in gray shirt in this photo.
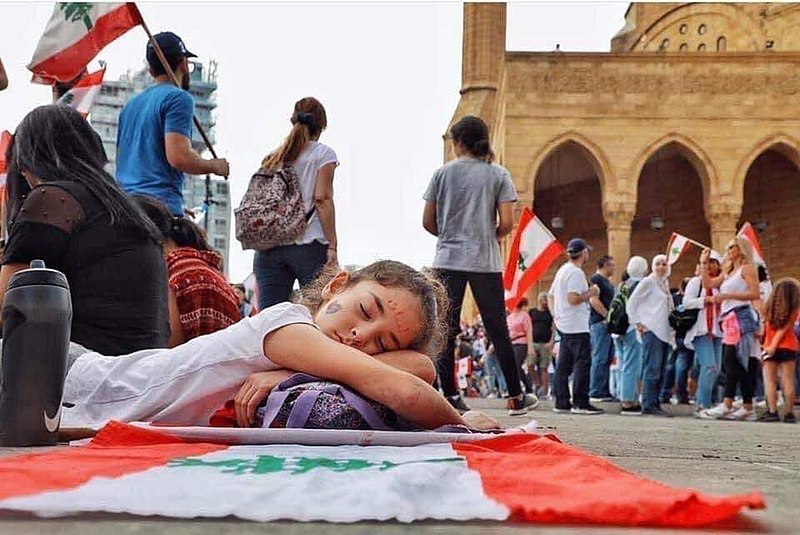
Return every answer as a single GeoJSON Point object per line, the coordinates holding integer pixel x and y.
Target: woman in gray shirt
{"type": "Point", "coordinates": [468, 207]}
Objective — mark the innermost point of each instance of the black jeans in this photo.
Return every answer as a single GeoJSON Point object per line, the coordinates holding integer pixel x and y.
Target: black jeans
{"type": "Point", "coordinates": [520, 354]}
{"type": "Point", "coordinates": [738, 375]}
{"type": "Point", "coordinates": [276, 270]}
{"type": "Point", "coordinates": [487, 288]}
{"type": "Point", "coordinates": [574, 358]}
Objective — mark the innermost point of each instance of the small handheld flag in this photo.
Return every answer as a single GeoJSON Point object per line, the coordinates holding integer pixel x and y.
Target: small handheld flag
{"type": "Point", "coordinates": [749, 233]}
{"type": "Point", "coordinates": [533, 250]}
{"type": "Point", "coordinates": [83, 94]}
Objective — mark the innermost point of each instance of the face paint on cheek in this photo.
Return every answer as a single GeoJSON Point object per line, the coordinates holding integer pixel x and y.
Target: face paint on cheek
{"type": "Point", "coordinates": [399, 316]}
{"type": "Point", "coordinates": [332, 308]}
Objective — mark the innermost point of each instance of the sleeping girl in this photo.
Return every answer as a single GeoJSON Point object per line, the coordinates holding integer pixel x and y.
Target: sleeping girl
{"type": "Point", "coordinates": [369, 330]}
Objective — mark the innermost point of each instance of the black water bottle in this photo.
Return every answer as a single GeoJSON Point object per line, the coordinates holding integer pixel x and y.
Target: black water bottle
{"type": "Point", "coordinates": [37, 320]}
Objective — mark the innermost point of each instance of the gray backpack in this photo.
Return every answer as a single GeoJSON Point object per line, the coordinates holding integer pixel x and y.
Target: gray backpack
{"type": "Point", "coordinates": [272, 212]}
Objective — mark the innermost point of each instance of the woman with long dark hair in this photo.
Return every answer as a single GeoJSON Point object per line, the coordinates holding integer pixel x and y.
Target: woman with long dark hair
{"type": "Point", "coordinates": [277, 269]}
{"type": "Point", "coordinates": [77, 219]}
{"type": "Point", "coordinates": [463, 204]}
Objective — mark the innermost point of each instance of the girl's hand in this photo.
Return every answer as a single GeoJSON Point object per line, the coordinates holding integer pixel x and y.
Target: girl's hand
{"type": "Point", "coordinates": [480, 421]}
{"type": "Point", "coordinates": [255, 390]}
{"type": "Point", "coordinates": [641, 328]}
{"type": "Point", "coordinates": [332, 259]}
{"type": "Point", "coordinates": [705, 256]}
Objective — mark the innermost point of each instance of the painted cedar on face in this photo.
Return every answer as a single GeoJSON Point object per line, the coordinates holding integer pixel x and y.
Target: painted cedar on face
{"type": "Point", "coordinates": [368, 316]}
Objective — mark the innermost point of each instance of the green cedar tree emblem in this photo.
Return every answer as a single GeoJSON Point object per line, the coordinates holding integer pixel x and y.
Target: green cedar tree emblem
{"type": "Point", "coordinates": [77, 11]}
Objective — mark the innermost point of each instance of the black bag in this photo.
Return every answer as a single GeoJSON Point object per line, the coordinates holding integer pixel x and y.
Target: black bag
{"type": "Point", "coordinates": [617, 317]}
{"type": "Point", "coordinates": [683, 320]}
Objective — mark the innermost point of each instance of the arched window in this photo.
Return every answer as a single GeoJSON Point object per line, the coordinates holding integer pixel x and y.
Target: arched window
{"type": "Point", "coordinates": [701, 47]}
{"type": "Point", "coordinates": [702, 29]}
{"type": "Point", "coordinates": [683, 29]}
{"type": "Point", "coordinates": [684, 47]}
{"type": "Point", "coordinates": [664, 44]}
{"type": "Point", "coordinates": [722, 44]}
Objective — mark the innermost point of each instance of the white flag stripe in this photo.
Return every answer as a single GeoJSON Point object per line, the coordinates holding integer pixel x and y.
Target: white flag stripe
{"type": "Point", "coordinates": [82, 98]}
{"type": "Point", "coordinates": [59, 35]}
{"type": "Point", "coordinates": [374, 483]}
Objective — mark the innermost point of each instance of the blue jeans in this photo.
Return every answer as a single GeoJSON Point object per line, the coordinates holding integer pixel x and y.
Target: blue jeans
{"type": "Point", "coordinates": [276, 270]}
{"type": "Point", "coordinates": [494, 372]}
{"type": "Point", "coordinates": [602, 353]}
{"type": "Point", "coordinates": [668, 380]}
{"type": "Point", "coordinates": [684, 359]}
{"type": "Point", "coordinates": [708, 352]}
{"type": "Point", "coordinates": [629, 351]}
{"type": "Point", "coordinates": [654, 360]}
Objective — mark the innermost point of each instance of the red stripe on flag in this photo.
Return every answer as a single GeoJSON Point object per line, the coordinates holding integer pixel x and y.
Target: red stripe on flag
{"type": "Point", "coordinates": [513, 257]}
{"type": "Point", "coordinates": [535, 272]}
{"type": "Point", "coordinates": [68, 63]}
{"type": "Point", "coordinates": [117, 450]}
{"type": "Point", "coordinates": [5, 142]}
{"type": "Point", "coordinates": [95, 78]}
{"type": "Point", "coordinates": [545, 481]}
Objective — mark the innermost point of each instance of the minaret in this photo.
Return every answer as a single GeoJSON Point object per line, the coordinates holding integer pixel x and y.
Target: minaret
{"type": "Point", "coordinates": [483, 53]}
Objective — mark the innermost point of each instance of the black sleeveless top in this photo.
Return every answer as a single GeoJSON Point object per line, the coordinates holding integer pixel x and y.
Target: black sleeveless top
{"type": "Point", "coordinates": [117, 276]}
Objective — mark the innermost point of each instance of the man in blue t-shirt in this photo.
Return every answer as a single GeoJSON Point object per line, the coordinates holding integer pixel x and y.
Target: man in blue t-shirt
{"type": "Point", "coordinates": [154, 147]}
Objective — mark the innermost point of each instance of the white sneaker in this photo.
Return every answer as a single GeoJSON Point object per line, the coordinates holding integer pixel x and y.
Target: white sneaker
{"type": "Point", "coordinates": [717, 413]}
{"type": "Point", "coordinates": [737, 403]}
{"type": "Point", "coordinates": [742, 414]}
{"type": "Point", "coordinates": [762, 404]}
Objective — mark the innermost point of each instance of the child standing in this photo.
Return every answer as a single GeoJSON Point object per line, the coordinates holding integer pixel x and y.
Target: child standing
{"type": "Point", "coordinates": [781, 347]}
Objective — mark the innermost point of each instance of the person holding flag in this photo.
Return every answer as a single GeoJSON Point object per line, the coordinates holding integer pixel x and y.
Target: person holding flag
{"type": "Point", "coordinates": [154, 139]}
{"type": "Point", "coordinates": [468, 207]}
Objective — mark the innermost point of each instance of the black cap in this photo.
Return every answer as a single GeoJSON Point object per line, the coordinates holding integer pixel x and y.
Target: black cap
{"type": "Point", "coordinates": [576, 246]}
{"type": "Point", "coordinates": [170, 44]}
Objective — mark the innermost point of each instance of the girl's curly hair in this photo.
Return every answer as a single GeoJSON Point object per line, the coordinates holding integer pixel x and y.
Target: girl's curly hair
{"type": "Point", "coordinates": [783, 303]}
{"type": "Point", "coordinates": [393, 274]}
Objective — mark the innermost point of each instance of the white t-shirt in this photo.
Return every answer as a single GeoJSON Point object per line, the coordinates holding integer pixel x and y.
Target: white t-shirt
{"type": "Point", "coordinates": [313, 158]}
{"type": "Point", "coordinates": [570, 319]}
{"type": "Point", "coordinates": [184, 385]}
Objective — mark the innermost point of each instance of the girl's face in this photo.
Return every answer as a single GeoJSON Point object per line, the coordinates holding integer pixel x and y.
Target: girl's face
{"type": "Point", "coordinates": [733, 251]}
{"type": "Point", "coordinates": [368, 316]}
{"type": "Point", "coordinates": [661, 269]}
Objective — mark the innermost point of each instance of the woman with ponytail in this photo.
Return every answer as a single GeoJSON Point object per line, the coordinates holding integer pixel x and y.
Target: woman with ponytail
{"type": "Point", "coordinates": [277, 269]}
{"type": "Point", "coordinates": [201, 301]}
{"type": "Point", "coordinates": [468, 207]}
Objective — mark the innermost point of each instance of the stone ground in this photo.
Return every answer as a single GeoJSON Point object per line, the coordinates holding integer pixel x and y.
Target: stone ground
{"type": "Point", "coordinates": [715, 457]}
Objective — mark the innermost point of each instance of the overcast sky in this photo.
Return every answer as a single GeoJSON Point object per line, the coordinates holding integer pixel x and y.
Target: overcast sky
{"type": "Point", "coordinates": [388, 75]}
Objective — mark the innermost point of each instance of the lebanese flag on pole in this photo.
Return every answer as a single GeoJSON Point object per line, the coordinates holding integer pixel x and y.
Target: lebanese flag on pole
{"type": "Point", "coordinates": [75, 34]}
{"type": "Point", "coordinates": [533, 250]}
{"type": "Point", "coordinates": [83, 94]}
{"type": "Point", "coordinates": [749, 233]}
{"type": "Point", "coordinates": [520, 477]}
{"type": "Point", "coordinates": [678, 244]}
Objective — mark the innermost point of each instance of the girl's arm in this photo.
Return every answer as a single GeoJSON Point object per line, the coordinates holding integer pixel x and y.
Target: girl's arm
{"type": "Point", "coordinates": [303, 348]}
{"type": "Point", "coordinates": [776, 339]}
{"type": "Point", "coordinates": [505, 223]}
{"type": "Point", "coordinates": [691, 301]}
{"type": "Point", "coordinates": [323, 200]}
{"type": "Point", "coordinates": [638, 295]}
{"type": "Point", "coordinates": [429, 218]}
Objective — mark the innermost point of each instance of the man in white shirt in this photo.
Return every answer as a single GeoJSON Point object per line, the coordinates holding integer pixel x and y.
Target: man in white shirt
{"type": "Point", "coordinates": [569, 298]}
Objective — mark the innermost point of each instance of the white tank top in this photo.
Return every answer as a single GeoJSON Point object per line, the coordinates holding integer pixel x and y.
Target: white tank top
{"type": "Point", "coordinates": [733, 284]}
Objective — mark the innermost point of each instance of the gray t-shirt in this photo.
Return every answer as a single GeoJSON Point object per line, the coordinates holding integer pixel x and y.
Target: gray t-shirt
{"type": "Point", "coordinates": [466, 192]}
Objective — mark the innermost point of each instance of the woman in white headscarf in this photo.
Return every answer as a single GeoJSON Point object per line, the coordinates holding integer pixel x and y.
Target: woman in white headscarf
{"type": "Point", "coordinates": [629, 349]}
{"type": "Point", "coordinates": [648, 309]}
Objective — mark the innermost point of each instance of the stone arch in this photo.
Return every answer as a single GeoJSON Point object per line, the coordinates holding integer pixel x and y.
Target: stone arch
{"type": "Point", "coordinates": [735, 18]}
{"type": "Point", "coordinates": [780, 142]}
{"type": "Point", "coordinates": [690, 150]}
{"type": "Point", "coordinates": [671, 178]}
{"type": "Point", "coordinates": [593, 153]}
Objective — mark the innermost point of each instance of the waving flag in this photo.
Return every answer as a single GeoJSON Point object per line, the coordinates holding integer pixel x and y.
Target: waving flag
{"type": "Point", "coordinates": [678, 244]}
{"type": "Point", "coordinates": [75, 34]}
{"type": "Point", "coordinates": [749, 233]}
{"type": "Point", "coordinates": [533, 250]}
{"type": "Point", "coordinates": [83, 94]}
{"type": "Point", "coordinates": [523, 477]}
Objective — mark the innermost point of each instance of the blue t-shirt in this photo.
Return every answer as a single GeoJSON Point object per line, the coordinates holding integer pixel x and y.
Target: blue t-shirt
{"type": "Point", "coordinates": [142, 166]}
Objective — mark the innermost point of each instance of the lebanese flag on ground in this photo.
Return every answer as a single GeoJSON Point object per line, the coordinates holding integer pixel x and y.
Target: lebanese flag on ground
{"type": "Point", "coordinates": [75, 34]}
{"type": "Point", "coordinates": [533, 250]}
{"type": "Point", "coordinates": [524, 477]}
{"type": "Point", "coordinates": [749, 233]}
{"type": "Point", "coordinates": [678, 244]}
{"type": "Point", "coordinates": [83, 94]}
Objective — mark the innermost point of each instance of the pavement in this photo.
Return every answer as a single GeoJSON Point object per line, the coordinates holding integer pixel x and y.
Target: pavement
{"type": "Point", "coordinates": [711, 456]}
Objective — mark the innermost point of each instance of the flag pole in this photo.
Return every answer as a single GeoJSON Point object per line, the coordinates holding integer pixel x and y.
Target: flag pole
{"type": "Point", "coordinates": [164, 63]}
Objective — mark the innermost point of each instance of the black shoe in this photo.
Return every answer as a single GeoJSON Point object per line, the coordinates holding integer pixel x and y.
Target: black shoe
{"type": "Point", "coordinates": [656, 411]}
{"type": "Point", "coordinates": [458, 403]}
{"type": "Point", "coordinates": [770, 417]}
{"type": "Point", "coordinates": [636, 410]}
{"type": "Point", "coordinates": [521, 404]}
{"type": "Point", "coordinates": [562, 410]}
{"type": "Point", "coordinates": [789, 418]}
{"type": "Point", "coordinates": [587, 409]}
